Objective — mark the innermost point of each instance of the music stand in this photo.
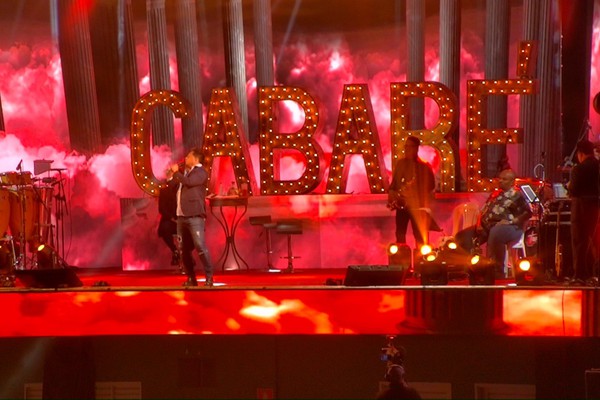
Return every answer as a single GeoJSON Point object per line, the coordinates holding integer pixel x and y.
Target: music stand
{"type": "Point", "coordinates": [41, 166]}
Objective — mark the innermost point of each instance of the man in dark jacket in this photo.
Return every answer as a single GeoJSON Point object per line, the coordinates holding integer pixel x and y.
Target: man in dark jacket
{"type": "Point", "coordinates": [167, 226]}
{"type": "Point", "coordinates": [191, 214]}
{"type": "Point", "coordinates": [584, 193]}
{"type": "Point", "coordinates": [410, 194]}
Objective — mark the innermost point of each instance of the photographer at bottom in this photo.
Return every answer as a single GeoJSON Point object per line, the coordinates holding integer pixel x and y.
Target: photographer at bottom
{"type": "Point", "coordinates": [397, 387]}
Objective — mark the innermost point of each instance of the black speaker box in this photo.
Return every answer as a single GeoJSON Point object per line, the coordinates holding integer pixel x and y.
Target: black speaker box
{"type": "Point", "coordinates": [592, 383]}
{"type": "Point", "coordinates": [482, 275]}
{"type": "Point", "coordinates": [375, 275]}
{"type": "Point", "coordinates": [49, 278]}
{"type": "Point", "coordinates": [433, 273]}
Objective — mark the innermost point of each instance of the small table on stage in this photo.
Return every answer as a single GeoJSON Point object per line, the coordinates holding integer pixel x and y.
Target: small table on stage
{"type": "Point", "coordinates": [238, 207]}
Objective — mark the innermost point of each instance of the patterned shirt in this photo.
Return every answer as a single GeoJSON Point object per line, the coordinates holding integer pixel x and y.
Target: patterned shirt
{"type": "Point", "coordinates": [507, 205]}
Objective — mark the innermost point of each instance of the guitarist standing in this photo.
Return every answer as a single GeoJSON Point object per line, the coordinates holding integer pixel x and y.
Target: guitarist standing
{"type": "Point", "coordinates": [410, 193]}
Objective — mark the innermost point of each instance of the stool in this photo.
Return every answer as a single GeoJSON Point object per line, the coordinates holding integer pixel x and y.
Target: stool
{"type": "Point", "coordinates": [511, 261]}
{"type": "Point", "coordinates": [289, 227]}
{"type": "Point", "coordinates": [265, 222]}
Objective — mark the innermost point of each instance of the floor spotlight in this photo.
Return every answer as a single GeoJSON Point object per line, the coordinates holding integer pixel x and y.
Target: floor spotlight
{"type": "Point", "coordinates": [451, 245]}
{"type": "Point", "coordinates": [476, 256]}
{"type": "Point", "coordinates": [433, 267]}
{"type": "Point", "coordinates": [529, 271]}
{"type": "Point", "coordinates": [48, 258]}
{"type": "Point", "coordinates": [481, 271]}
{"type": "Point", "coordinates": [425, 249]}
{"type": "Point", "coordinates": [431, 256]}
{"type": "Point", "coordinates": [400, 254]}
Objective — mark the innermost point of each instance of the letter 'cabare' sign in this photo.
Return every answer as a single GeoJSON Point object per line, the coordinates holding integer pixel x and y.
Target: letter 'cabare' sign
{"type": "Point", "coordinates": [356, 132]}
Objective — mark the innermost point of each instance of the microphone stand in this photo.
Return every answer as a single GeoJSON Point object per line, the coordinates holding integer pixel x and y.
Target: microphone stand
{"type": "Point", "coordinates": [61, 210]}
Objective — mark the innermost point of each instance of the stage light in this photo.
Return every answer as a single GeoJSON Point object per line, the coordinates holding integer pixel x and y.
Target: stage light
{"type": "Point", "coordinates": [529, 272]}
{"type": "Point", "coordinates": [475, 256]}
{"type": "Point", "coordinates": [431, 256]}
{"type": "Point", "coordinates": [47, 257]}
{"type": "Point", "coordinates": [400, 254]}
{"type": "Point", "coordinates": [524, 265]}
{"type": "Point", "coordinates": [426, 249]}
{"type": "Point", "coordinates": [451, 245]}
{"type": "Point", "coordinates": [481, 271]}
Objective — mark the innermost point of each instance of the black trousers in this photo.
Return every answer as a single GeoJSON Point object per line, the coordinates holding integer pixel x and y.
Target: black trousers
{"type": "Point", "coordinates": [584, 220]}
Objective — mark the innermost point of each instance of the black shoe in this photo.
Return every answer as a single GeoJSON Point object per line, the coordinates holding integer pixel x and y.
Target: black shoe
{"type": "Point", "coordinates": [190, 282]}
{"type": "Point", "coordinates": [593, 281]}
{"type": "Point", "coordinates": [575, 282]}
{"type": "Point", "coordinates": [209, 282]}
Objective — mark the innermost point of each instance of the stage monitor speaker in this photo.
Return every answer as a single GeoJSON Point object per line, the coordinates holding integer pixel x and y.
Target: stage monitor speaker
{"type": "Point", "coordinates": [49, 278]}
{"type": "Point", "coordinates": [482, 275]}
{"type": "Point", "coordinates": [432, 273]}
{"type": "Point", "coordinates": [375, 275]}
{"type": "Point", "coordinates": [592, 383]}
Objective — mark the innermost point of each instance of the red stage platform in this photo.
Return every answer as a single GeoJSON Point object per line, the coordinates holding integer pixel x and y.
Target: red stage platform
{"type": "Point", "coordinates": [259, 302]}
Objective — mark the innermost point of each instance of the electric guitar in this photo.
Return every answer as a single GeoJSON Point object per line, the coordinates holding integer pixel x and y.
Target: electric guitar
{"type": "Point", "coordinates": [398, 202]}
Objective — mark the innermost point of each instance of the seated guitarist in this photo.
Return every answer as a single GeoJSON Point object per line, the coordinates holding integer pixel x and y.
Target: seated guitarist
{"type": "Point", "coordinates": [410, 193]}
{"type": "Point", "coordinates": [501, 223]}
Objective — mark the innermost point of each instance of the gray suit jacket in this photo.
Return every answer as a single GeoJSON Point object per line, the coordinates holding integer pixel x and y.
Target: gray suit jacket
{"type": "Point", "coordinates": [193, 191]}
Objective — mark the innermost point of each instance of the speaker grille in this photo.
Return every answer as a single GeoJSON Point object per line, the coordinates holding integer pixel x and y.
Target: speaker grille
{"type": "Point", "coordinates": [375, 275]}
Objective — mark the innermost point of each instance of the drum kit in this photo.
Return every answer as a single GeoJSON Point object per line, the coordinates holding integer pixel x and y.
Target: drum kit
{"type": "Point", "coordinates": [30, 209]}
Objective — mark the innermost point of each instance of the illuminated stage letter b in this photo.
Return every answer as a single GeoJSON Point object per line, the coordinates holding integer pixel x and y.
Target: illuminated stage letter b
{"type": "Point", "coordinates": [301, 141]}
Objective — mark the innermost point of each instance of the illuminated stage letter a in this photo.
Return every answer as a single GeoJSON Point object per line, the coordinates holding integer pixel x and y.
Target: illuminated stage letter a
{"type": "Point", "coordinates": [356, 133]}
{"type": "Point", "coordinates": [224, 137]}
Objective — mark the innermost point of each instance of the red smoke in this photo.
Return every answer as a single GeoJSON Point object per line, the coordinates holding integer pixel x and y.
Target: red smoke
{"type": "Point", "coordinates": [33, 106]}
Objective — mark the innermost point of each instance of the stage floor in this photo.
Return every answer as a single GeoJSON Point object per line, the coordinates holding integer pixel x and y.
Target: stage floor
{"type": "Point", "coordinates": [116, 302]}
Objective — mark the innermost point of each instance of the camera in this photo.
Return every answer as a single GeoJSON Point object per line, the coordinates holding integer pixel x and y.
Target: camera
{"type": "Point", "coordinates": [391, 353]}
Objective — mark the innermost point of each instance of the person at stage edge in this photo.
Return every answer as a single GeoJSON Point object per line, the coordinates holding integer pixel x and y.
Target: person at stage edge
{"type": "Point", "coordinates": [583, 189]}
{"type": "Point", "coordinates": [501, 222]}
{"type": "Point", "coordinates": [395, 374]}
{"type": "Point", "coordinates": [411, 192]}
{"type": "Point", "coordinates": [191, 214]}
{"type": "Point", "coordinates": [167, 226]}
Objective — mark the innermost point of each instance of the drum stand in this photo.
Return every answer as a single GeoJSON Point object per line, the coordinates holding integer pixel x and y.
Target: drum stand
{"type": "Point", "coordinates": [21, 261]}
{"type": "Point", "coordinates": [8, 279]}
{"type": "Point", "coordinates": [60, 212]}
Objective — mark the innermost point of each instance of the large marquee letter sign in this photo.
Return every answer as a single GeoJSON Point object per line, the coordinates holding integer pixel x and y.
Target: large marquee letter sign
{"type": "Point", "coordinates": [356, 133]}
{"type": "Point", "coordinates": [141, 162]}
{"type": "Point", "coordinates": [224, 137]}
{"type": "Point", "coordinates": [477, 94]}
{"type": "Point", "coordinates": [301, 141]}
{"type": "Point", "coordinates": [436, 137]}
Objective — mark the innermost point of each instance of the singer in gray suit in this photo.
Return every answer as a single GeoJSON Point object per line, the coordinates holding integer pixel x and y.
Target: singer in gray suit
{"type": "Point", "coordinates": [191, 213]}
